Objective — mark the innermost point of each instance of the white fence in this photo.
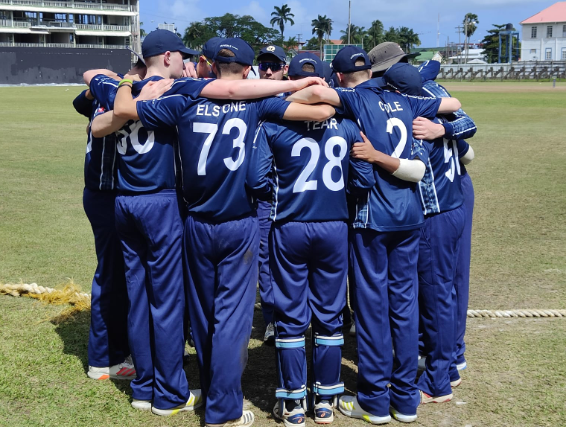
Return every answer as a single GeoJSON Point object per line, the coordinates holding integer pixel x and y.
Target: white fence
{"type": "Point", "coordinates": [529, 70]}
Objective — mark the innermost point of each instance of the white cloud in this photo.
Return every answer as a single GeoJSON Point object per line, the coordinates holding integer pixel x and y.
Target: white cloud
{"type": "Point", "coordinates": [254, 9]}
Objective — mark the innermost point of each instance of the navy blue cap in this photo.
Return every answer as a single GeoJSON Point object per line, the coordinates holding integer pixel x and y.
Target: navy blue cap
{"type": "Point", "coordinates": [210, 47]}
{"type": "Point", "coordinates": [276, 51]}
{"type": "Point", "coordinates": [160, 41]}
{"type": "Point", "coordinates": [296, 65]}
{"type": "Point", "coordinates": [345, 60]}
{"type": "Point", "coordinates": [402, 77]}
{"type": "Point", "coordinates": [243, 52]}
{"type": "Point", "coordinates": [329, 76]}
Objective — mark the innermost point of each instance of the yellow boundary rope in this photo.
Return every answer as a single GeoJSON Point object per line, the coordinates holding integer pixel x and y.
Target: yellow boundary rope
{"type": "Point", "coordinates": [71, 294]}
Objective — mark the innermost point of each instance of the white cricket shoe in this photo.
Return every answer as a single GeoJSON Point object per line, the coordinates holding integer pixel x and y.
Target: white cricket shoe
{"type": "Point", "coordinates": [195, 401]}
{"type": "Point", "coordinates": [350, 407]}
{"type": "Point", "coordinates": [121, 371]}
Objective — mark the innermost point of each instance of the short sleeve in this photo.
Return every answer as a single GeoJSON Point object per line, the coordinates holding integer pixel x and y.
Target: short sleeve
{"type": "Point", "coordinates": [423, 107]}
{"type": "Point", "coordinates": [188, 86]}
{"type": "Point", "coordinates": [421, 149]}
{"type": "Point", "coordinates": [83, 105]}
{"type": "Point", "coordinates": [162, 112]}
{"type": "Point", "coordinates": [103, 88]}
{"type": "Point", "coordinates": [350, 102]}
{"type": "Point", "coordinates": [272, 108]}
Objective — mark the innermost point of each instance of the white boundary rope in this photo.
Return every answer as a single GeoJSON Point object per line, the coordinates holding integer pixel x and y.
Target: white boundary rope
{"type": "Point", "coordinates": [33, 288]}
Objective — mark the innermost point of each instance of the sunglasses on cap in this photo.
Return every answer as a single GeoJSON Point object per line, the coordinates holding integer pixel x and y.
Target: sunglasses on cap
{"type": "Point", "coordinates": [275, 66]}
{"type": "Point", "coordinates": [207, 61]}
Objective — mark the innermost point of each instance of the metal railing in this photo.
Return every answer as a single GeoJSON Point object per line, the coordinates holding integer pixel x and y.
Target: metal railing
{"type": "Point", "coordinates": [70, 4]}
{"type": "Point", "coordinates": [523, 70]}
{"type": "Point", "coordinates": [102, 27]}
{"type": "Point", "coordinates": [69, 25]}
{"type": "Point", "coordinates": [63, 45]}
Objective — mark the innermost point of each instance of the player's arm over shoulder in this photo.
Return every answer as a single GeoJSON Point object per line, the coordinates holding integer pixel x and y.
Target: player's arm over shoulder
{"type": "Point", "coordinates": [316, 95]}
{"type": "Point", "coordinates": [105, 124]}
{"type": "Point", "coordinates": [449, 105]}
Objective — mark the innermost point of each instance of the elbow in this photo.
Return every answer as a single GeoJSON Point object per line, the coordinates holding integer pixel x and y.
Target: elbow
{"type": "Point", "coordinates": [87, 77]}
{"type": "Point", "coordinates": [120, 112]}
{"type": "Point", "coordinates": [316, 93]}
{"type": "Point", "coordinates": [458, 104]}
{"type": "Point", "coordinates": [96, 133]}
{"type": "Point", "coordinates": [468, 157]}
{"type": "Point", "coordinates": [324, 113]}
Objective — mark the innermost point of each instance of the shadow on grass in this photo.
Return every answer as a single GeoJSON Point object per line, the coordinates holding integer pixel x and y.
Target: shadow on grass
{"type": "Point", "coordinates": [260, 377]}
{"type": "Point", "coordinates": [74, 331]}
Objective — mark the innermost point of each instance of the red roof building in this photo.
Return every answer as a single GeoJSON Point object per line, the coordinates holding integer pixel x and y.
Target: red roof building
{"type": "Point", "coordinates": [544, 35]}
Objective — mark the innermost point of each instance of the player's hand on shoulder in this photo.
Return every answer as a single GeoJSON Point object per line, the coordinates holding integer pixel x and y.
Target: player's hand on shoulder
{"type": "Point", "coordinates": [310, 81]}
{"type": "Point", "coordinates": [363, 150]}
{"type": "Point", "coordinates": [190, 70]}
{"type": "Point", "coordinates": [155, 89]}
{"type": "Point", "coordinates": [426, 129]}
{"type": "Point", "coordinates": [133, 77]}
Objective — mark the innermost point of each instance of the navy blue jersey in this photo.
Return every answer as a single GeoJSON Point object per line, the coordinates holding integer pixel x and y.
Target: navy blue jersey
{"type": "Point", "coordinates": [310, 163]}
{"type": "Point", "coordinates": [215, 139]}
{"type": "Point", "coordinates": [100, 157]}
{"type": "Point", "coordinates": [387, 120]}
{"type": "Point", "coordinates": [440, 189]}
{"type": "Point", "coordinates": [147, 157]}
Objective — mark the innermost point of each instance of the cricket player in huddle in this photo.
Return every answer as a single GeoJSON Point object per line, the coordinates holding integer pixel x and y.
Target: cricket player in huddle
{"type": "Point", "coordinates": [221, 232]}
{"type": "Point", "coordinates": [272, 65]}
{"type": "Point", "coordinates": [463, 127]}
{"type": "Point", "coordinates": [162, 384]}
{"type": "Point", "coordinates": [108, 350]}
{"type": "Point", "coordinates": [310, 164]}
{"type": "Point", "coordinates": [386, 228]}
{"type": "Point", "coordinates": [442, 200]}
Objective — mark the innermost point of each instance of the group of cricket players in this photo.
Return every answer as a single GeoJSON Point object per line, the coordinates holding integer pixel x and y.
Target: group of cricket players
{"type": "Point", "coordinates": [201, 183]}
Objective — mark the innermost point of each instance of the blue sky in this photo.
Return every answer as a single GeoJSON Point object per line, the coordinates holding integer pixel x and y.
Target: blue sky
{"type": "Point", "coordinates": [421, 16]}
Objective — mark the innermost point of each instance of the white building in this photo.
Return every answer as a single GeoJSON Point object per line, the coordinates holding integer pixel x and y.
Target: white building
{"type": "Point", "coordinates": [544, 35]}
{"type": "Point", "coordinates": [472, 57]}
{"type": "Point", "coordinates": [111, 24]}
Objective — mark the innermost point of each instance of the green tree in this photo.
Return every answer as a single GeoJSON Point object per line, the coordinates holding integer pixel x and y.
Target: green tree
{"type": "Point", "coordinates": [490, 44]}
{"type": "Point", "coordinates": [142, 31]}
{"type": "Point", "coordinates": [391, 35]}
{"type": "Point", "coordinates": [312, 44]}
{"type": "Point", "coordinates": [357, 34]}
{"type": "Point", "coordinates": [375, 34]}
{"type": "Point", "coordinates": [281, 16]}
{"type": "Point", "coordinates": [321, 26]}
{"type": "Point", "coordinates": [408, 38]}
{"type": "Point", "coordinates": [471, 26]}
{"type": "Point", "coordinates": [229, 25]}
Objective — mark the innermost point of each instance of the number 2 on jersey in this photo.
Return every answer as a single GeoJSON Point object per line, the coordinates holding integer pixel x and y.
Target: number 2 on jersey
{"type": "Point", "coordinates": [303, 183]}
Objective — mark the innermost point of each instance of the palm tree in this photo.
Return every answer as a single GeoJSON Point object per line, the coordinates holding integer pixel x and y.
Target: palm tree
{"type": "Point", "coordinates": [281, 16]}
{"type": "Point", "coordinates": [408, 38]}
{"type": "Point", "coordinates": [357, 34]}
{"type": "Point", "coordinates": [321, 26]}
{"type": "Point", "coordinates": [375, 33]}
{"type": "Point", "coordinates": [470, 24]}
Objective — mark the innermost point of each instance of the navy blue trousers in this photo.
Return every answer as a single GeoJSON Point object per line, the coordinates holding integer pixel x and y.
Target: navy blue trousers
{"type": "Point", "coordinates": [438, 253]}
{"type": "Point", "coordinates": [150, 229]}
{"type": "Point", "coordinates": [309, 266]}
{"type": "Point", "coordinates": [221, 267]}
{"type": "Point", "coordinates": [108, 336]}
{"type": "Point", "coordinates": [265, 289]}
{"type": "Point", "coordinates": [386, 283]}
{"type": "Point", "coordinates": [462, 280]}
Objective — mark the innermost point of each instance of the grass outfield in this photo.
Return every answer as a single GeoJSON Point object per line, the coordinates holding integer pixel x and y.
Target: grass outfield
{"type": "Point", "coordinates": [517, 367]}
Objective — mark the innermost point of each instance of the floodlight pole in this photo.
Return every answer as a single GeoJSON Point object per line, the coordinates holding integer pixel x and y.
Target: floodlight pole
{"type": "Point", "coordinates": [349, 21]}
